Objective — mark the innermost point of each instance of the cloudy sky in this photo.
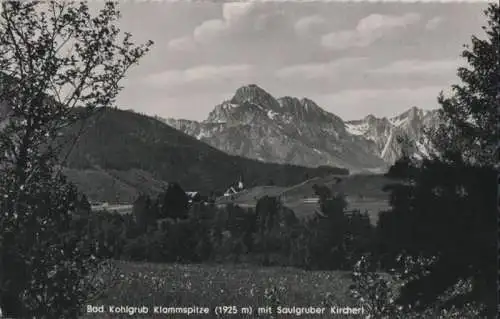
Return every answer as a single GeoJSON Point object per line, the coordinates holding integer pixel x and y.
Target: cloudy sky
{"type": "Point", "coordinates": [351, 58]}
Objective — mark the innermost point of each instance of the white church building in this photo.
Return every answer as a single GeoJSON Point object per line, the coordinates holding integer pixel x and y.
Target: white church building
{"type": "Point", "coordinates": [234, 189]}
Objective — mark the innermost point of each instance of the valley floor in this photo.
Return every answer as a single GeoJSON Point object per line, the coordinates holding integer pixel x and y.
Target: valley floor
{"type": "Point", "coordinates": [191, 285]}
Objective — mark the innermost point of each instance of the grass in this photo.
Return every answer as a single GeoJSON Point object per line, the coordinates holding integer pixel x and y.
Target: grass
{"type": "Point", "coordinates": [366, 185]}
{"type": "Point", "coordinates": [363, 193]}
{"type": "Point", "coordinates": [305, 189]}
{"type": "Point", "coordinates": [250, 196]}
{"type": "Point", "coordinates": [362, 186]}
{"type": "Point", "coordinates": [217, 285]}
{"type": "Point", "coordinates": [99, 185]}
{"type": "Point", "coordinates": [114, 186]}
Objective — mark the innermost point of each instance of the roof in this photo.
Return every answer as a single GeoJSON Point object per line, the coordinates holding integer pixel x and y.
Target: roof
{"type": "Point", "coordinates": [230, 191]}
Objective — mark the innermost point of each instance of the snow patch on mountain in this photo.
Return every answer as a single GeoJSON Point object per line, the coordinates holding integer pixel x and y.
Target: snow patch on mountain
{"type": "Point", "coordinates": [387, 146]}
{"type": "Point", "coordinates": [356, 129]}
{"type": "Point", "coordinates": [271, 114]}
{"type": "Point", "coordinates": [201, 135]}
{"type": "Point", "coordinates": [398, 121]}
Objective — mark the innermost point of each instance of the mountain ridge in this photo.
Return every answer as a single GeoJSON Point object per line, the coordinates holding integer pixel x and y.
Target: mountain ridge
{"type": "Point", "coordinates": [288, 129]}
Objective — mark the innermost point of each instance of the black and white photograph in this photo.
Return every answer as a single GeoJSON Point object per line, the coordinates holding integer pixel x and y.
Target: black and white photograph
{"type": "Point", "coordinates": [249, 159]}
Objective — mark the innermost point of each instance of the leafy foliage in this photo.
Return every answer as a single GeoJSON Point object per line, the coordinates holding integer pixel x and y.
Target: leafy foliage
{"type": "Point", "coordinates": [470, 115]}
{"type": "Point", "coordinates": [380, 292]}
{"type": "Point", "coordinates": [444, 209]}
{"type": "Point", "coordinates": [337, 236]}
{"type": "Point", "coordinates": [174, 203]}
{"type": "Point", "coordinates": [269, 235]}
{"type": "Point", "coordinates": [40, 259]}
{"type": "Point", "coordinates": [145, 212]}
{"type": "Point", "coordinates": [54, 56]}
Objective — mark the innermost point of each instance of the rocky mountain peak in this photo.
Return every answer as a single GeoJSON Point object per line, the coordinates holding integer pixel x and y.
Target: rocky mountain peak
{"type": "Point", "coordinates": [305, 109]}
{"type": "Point", "coordinates": [254, 94]}
{"type": "Point", "coordinates": [289, 103]}
{"type": "Point", "coordinates": [370, 118]}
{"type": "Point", "coordinates": [380, 122]}
{"type": "Point", "coordinates": [309, 105]}
{"type": "Point", "coordinates": [221, 113]}
{"type": "Point", "coordinates": [410, 114]}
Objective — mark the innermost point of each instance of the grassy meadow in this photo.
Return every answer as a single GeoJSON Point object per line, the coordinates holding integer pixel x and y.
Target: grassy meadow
{"type": "Point", "coordinates": [214, 285]}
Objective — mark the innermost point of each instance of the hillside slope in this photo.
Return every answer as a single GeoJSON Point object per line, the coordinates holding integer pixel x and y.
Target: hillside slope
{"type": "Point", "coordinates": [121, 143]}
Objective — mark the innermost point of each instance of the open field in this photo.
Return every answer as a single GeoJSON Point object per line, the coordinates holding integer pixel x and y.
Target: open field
{"type": "Point", "coordinates": [122, 209]}
{"type": "Point", "coordinates": [361, 186]}
{"type": "Point", "coordinates": [217, 285]}
{"type": "Point", "coordinates": [305, 189]}
{"type": "Point", "coordinates": [363, 193]}
{"type": "Point", "coordinates": [251, 196]}
{"type": "Point", "coordinates": [114, 186]}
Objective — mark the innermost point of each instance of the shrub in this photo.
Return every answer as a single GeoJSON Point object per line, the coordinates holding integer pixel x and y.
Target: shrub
{"type": "Point", "coordinates": [379, 292]}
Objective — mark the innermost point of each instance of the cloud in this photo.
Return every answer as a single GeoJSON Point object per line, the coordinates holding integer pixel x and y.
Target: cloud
{"type": "Point", "coordinates": [368, 30]}
{"type": "Point", "coordinates": [311, 71]}
{"type": "Point", "coordinates": [434, 23]}
{"type": "Point", "coordinates": [203, 73]}
{"type": "Point", "coordinates": [409, 67]}
{"type": "Point", "coordinates": [309, 25]}
{"type": "Point", "coordinates": [234, 11]}
{"type": "Point", "coordinates": [235, 16]}
{"type": "Point", "coordinates": [209, 30]}
{"type": "Point", "coordinates": [376, 22]}
{"type": "Point", "coordinates": [182, 44]}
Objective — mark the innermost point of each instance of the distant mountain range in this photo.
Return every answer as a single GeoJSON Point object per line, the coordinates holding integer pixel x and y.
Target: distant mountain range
{"type": "Point", "coordinates": [384, 132]}
{"type": "Point", "coordinates": [253, 136]}
{"type": "Point", "coordinates": [121, 154]}
{"type": "Point", "coordinates": [256, 125]}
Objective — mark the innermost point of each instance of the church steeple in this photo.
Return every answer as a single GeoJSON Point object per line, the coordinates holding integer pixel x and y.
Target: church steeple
{"type": "Point", "coordinates": [240, 184]}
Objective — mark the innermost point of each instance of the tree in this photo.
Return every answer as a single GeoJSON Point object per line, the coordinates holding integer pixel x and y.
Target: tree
{"type": "Point", "coordinates": [266, 218]}
{"type": "Point", "coordinates": [322, 191]}
{"type": "Point", "coordinates": [83, 205]}
{"type": "Point", "coordinates": [59, 65]}
{"type": "Point", "coordinates": [174, 202]}
{"type": "Point", "coordinates": [445, 213]}
{"type": "Point", "coordinates": [470, 115]}
{"type": "Point", "coordinates": [144, 212]}
{"type": "Point", "coordinates": [267, 210]}
{"type": "Point", "coordinates": [42, 260]}
{"type": "Point", "coordinates": [444, 208]}
{"type": "Point", "coordinates": [330, 232]}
